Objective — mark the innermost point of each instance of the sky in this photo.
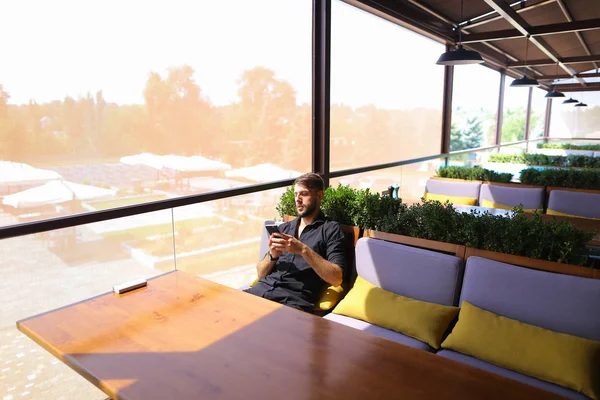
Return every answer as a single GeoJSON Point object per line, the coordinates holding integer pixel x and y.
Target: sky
{"type": "Point", "coordinates": [51, 49]}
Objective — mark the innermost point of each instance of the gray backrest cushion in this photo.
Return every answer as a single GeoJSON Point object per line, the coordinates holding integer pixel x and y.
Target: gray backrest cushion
{"type": "Point", "coordinates": [561, 303]}
{"type": "Point", "coordinates": [408, 271]}
{"type": "Point", "coordinates": [575, 203]}
{"type": "Point", "coordinates": [264, 239]}
{"type": "Point", "coordinates": [449, 188]}
{"type": "Point", "coordinates": [530, 198]}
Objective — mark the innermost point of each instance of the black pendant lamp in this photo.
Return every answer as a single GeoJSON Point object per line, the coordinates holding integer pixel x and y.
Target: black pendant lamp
{"type": "Point", "coordinates": [570, 101]}
{"type": "Point", "coordinates": [524, 81]}
{"type": "Point", "coordinates": [554, 94]}
{"type": "Point", "coordinates": [460, 56]}
{"type": "Point", "coordinates": [580, 104]}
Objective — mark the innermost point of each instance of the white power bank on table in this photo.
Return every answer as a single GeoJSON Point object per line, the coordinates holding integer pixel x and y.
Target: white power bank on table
{"type": "Point", "coordinates": [129, 286]}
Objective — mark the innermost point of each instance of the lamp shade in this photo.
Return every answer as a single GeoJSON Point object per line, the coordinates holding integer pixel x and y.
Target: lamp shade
{"type": "Point", "coordinates": [554, 94]}
{"type": "Point", "coordinates": [460, 56]}
{"type": "Point", "coordinates": [524, 81]}
{"type": "Point", "coordinates": [570, 101]}
{"type": "Point", "coordinates": [580, 104]}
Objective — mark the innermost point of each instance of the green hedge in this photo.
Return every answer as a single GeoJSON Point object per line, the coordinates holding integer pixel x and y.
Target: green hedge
{"type": "Point", "coordinates": [569, 146]}
{"type": "Point", "coordinates": [568, 178]}
{"type": "Point", "coordinates": [473, 174]}
{"type": "Point", "coordinates": [545, 160]}
{"type": "Point", "coordinates": [520, 235]}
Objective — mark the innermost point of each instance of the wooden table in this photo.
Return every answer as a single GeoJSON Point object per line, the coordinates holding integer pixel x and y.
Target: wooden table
{"type": "Point", "coordinates": [183, 337]}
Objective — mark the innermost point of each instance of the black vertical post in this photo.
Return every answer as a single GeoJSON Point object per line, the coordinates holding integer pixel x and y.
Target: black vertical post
{"type": "Point", "coordinates": [500, 109]}
{"type": "Point", "coordinates": [321, 71]}
{"type": "Point", "coordinates": [547, 120]}
{"type": "Point", "coordinates": [528, 115]}
{"type": "Point", "coordinates": [447, 107]}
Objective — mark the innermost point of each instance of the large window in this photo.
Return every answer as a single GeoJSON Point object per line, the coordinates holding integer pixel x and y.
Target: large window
{"type": "Point", "coordinates": [474, 107]}
{"type": "Point", "coordinates": [567, 121]}
{"type": "Point", "coordinates": [386, 91]}
{"type": "Point", "coordinates": [538, 112]}
{"type": "Point", "coordinates": [219, 85]}
{"type": "Point", "coordinates": [514, 113]}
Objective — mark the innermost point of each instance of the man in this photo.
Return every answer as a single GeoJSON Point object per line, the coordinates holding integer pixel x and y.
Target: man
{"type": "Point", "coordinates": [307, 255]}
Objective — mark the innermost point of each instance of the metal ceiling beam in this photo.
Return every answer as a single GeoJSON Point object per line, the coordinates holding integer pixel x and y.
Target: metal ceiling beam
{"type": "Point", "coordinates": [520, 24]}
{"type": "Point", "coordinates": [566, 60]}
{"type": "Point", "coordinates": [554, 77]}
{"type": "Point", "coordinates": [489, 59]}
{"type": "Point", "coordinates": [470, 24]}
{"type": "Point", "coordinates": [569, 18]}
{"type": "Point", "coordinates": [551, 29]}
{"type": "Point", "coordinates": [591, 87]}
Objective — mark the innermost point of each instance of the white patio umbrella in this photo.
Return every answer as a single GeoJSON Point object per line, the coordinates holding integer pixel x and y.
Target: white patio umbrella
{"type": "Point", "coordinates": [55, 192]}
{"type": "Point", "coordinates": [14, 172]}
{"type": "Point", "coordinates": [176, 163]}
{"type": "Point", "coordinates": [193, 164]}
{"type": "Point", "coordinates": [263, 173]}
{"type": "Point", "coordinates": [147, 159]}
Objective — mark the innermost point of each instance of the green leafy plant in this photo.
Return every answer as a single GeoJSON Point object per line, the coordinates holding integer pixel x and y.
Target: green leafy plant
{"type": "Point", "coordinates": [521, 234]}
{"type": "Point", "coordinates": [571, 161]}
{"type": "Point", "coordinates": [569, 146]}
{"type": "Point", "coordinates": [287, 203]}
{"type": "Point", "coordinates": [473, 174]}
{"type": "Point", "coordinates": [568, 178]}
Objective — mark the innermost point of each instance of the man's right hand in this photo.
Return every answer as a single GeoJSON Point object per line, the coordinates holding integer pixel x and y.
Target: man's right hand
{"type": "Point", "coordinates": [277, 245]}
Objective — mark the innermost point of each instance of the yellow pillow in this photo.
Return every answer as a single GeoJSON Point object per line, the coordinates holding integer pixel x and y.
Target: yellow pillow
{"type": "Point", "coordinates": [329, 298]}
{"type": "Point", "coordinates": [442, 198]}
{"type": "Point", "coordinates": [421, 320]}
{"type": "Point", "coordinates": [560, 214]}
{"type": "Point", "coordinates": [566, 360]}
{"type": "Point", "coordinates": [490, 204]}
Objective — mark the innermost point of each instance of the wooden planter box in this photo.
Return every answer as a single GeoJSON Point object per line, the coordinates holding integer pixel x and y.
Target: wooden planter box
{"type": "Point", "coordinates": [456, 249]}
{"type": "Point", "coordinates": [551, 266]}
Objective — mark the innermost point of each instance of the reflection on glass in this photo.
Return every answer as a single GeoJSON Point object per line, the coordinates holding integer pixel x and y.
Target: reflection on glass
{"type": "Point", "coordinates": [515, 112]}
{"type": "Point", "coordinates": [538, 112]}
{"type": "Point", "coordinates": [474, 107]}
{"type": "Point", "coordinates": [220, 240]}
{"type": "Point", "coordinates": [53, 269]}
{"type": "Point", "coordinates": [384, 107]}
{"type": "Point", "coordinates": [567, 121]}
{"type": "Point", "coordinates": [152, 113]}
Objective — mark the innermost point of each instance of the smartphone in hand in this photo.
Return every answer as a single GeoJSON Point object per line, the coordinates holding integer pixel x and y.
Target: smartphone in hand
{"type": "Point", "coordinates": [272, 229]}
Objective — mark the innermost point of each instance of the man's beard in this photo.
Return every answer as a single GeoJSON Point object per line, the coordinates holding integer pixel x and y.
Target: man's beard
{"type": "Point", "coordinates": [308, 209]}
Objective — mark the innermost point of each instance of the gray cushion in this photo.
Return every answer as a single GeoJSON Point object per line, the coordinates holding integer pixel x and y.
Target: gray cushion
{"type": "Point", "coordinates": [561, 303]}
{"type": "Point", "coordinates": [475, 362]}
{"type": "Point", "coordinates": [530, 198]}
{"type": "Point", "coordinates": [575, 203]}
{"type": "Point", "coordinates": [449, 188]}
{"type": "Point", "coordinates": [408, 271]}
{"type": "Point", "coordinates": [379, 331]}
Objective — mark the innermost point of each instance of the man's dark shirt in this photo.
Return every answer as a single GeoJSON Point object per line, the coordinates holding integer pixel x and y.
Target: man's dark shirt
{"type": "Point", "coordinates": [292, 281]}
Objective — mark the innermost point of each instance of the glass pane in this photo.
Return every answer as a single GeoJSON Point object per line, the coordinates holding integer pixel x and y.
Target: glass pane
{"type": "Point", "coordinates": [568, 121]}
{"type": "Point", "coordinates": [386, 95]}
{"type": "Point", "coordinates": [538, 112]}
{"type": "Point", "coordinates": [474, 107]}
{"type": "Point", "coordinates": [514, 114]}
{"type": "Point", "coordinates": [219, 240]}
{"type": "Point", "coordinates": [48, 270]}
{"type": "Point", "coordinates": [176, 82]}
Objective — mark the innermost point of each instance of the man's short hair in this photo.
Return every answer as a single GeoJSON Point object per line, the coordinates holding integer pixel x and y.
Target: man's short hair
{"type": "Point", "coordinates": [310, 181]}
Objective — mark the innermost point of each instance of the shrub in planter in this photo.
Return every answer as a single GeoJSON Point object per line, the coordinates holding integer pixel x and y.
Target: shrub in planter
{"type": "Point", "coordinates": [473, 174]}
{"type": "Point", "coordinates": [569, 146]}
{"type": "Point", "coordinates": [567, 178]}
{"type": "Point", "coordinates": [521, 234]}
{"type": "Point", "coordinates": [507, 158]}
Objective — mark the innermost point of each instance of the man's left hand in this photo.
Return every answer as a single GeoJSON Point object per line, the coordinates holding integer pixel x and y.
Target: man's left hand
{"type": "Point", "coordinates": [293, 245]}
